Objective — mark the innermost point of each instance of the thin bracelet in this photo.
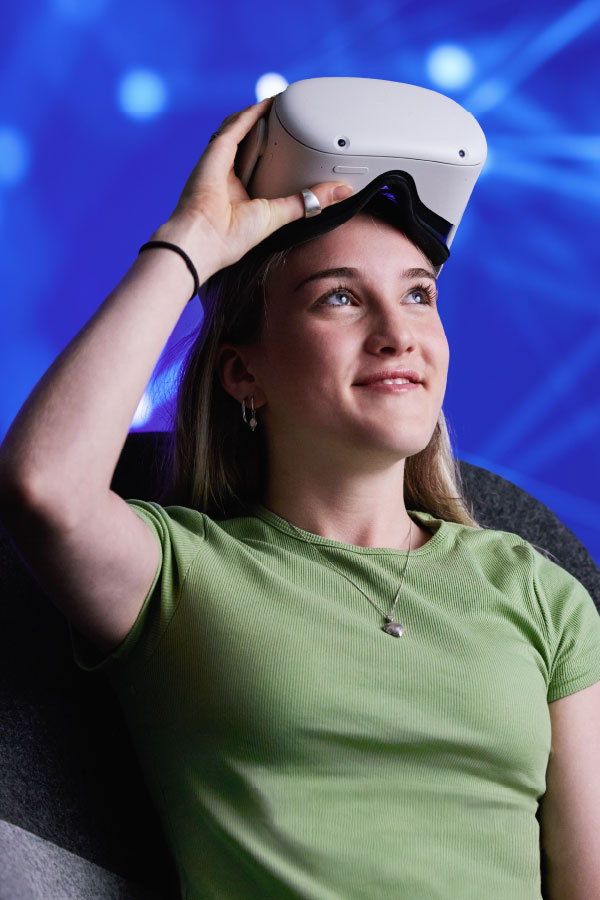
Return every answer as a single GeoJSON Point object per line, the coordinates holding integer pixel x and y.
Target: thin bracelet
{"type": "Point", "coordinates": [182, 253]}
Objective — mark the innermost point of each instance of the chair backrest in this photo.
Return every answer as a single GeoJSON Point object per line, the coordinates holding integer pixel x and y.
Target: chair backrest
{"type": "Point", "coordinates": [500, 504]}
{"type": "Point", "coordinates": [69, 773]}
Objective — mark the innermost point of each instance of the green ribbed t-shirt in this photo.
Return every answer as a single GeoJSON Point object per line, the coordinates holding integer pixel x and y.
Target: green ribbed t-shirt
{"type": "Point", "coordinates": [295, 750]}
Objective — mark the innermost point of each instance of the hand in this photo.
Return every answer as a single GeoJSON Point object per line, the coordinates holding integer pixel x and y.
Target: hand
{"type": "Point", "coordinates": [214, 197]}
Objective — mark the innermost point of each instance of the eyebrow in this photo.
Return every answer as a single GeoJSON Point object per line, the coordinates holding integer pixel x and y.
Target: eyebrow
{"type": "Point", "coordinates": [346, 272]}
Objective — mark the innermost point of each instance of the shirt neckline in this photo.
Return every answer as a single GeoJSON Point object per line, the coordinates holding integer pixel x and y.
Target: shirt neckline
{"type": "Point", "coordinates": [438, 529]}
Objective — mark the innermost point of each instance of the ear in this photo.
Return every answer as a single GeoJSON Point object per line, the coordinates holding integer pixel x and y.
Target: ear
{"type": "Point", "coordinates": [232, 366]}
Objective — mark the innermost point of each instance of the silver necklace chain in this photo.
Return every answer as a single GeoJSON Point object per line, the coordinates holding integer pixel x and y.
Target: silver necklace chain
{"type": "Point", "coordinates": [391, 627]}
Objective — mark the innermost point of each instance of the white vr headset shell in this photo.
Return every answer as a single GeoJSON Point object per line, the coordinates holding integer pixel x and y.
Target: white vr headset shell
{"type": "Point", "coordinates": [407, 142]}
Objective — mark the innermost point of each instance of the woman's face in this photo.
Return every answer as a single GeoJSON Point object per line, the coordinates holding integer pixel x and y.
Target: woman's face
{"type": "Point", "coordinates": [350, 317]}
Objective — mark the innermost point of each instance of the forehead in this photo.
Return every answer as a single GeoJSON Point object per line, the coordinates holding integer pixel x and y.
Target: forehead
{"type": "Point", "coordinates": [365, 243]}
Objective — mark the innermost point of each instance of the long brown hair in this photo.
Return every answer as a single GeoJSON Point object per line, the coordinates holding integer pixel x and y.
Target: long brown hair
{"type": "Point", "coordinates": [217, 465]}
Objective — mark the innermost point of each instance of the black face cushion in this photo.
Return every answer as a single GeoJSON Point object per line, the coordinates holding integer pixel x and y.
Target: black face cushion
{"type": "Point", "coordinates": [393, 197]}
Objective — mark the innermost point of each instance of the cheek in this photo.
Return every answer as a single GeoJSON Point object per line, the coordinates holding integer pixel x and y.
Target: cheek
{"type": "Point", "coordinates": [445, 352]}
{"type": "Point", "coordinates": [438, 346]}
{"type": "Point", "coordinates": [437, 353]}
{"type": "Point", "coordinates": [302, 356]}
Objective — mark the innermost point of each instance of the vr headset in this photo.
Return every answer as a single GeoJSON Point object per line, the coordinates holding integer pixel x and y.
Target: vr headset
{"type": "Point", "coordinates": [412, 154]}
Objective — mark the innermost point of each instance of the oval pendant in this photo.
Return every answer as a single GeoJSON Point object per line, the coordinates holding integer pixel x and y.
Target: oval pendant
{"type": "Point", "coordinates": [393, 628]}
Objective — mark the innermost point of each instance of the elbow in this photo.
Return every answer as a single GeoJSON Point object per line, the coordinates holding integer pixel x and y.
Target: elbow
{"type": "Point", "coordinates": [27, 499]}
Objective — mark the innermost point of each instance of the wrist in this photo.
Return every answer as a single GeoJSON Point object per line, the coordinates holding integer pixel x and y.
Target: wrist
{"type": "Point", "coordinates": [193, 239]}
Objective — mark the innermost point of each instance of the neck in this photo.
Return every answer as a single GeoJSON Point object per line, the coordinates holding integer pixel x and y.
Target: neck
{"type": "Point", "coordinates": [365, 509]}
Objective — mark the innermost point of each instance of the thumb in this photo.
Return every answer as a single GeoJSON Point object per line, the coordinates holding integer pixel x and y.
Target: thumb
{"type": "Point", "coordinates": [287, 209]}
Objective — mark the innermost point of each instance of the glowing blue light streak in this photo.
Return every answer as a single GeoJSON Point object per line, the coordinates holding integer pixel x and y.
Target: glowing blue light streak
{"type": "Point", "coordinates": [161, 389]}
{"type": "Point", "coordinates": [578, 428]}
{"type": "Point", "coordinates": [563, 503]}
{"type": "Point", "coordinates": [556, 178]}
{"type": "Point", "coordinates": [15, 155]}
{"type": "Point", "coordinates": [551, 41]}
{"type": "Point", "coordinates": [79, 10]}
{"type": "Point", "coordinates": [143, 411]}
{"type": "Point", "coordinates": [545, 395]}
{"type": "Point", "coordinates": [584, 147]}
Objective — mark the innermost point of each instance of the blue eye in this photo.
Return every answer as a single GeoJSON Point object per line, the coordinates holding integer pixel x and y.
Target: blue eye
{"type": "Point", "coordinates": [329, 300]}
{"type": "Point", "coordinates": [419, 295]}
{"type": "Point", "coordinates": [426, 294]}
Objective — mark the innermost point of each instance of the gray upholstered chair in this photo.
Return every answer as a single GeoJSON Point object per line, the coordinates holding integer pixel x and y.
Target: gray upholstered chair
{"type": "Point", "coordinates": [75, 819]}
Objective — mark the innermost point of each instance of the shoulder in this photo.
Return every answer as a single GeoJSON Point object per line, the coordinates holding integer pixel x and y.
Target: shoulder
{"type": "Point", "coordinates": [518, 567]}
{"type": "Point", "coordinates": [507, 557]}
{"type": "Point", "coordinates": [485, 543]}
{"type": "Point", "coordinates": [171, 517]}
{"type": "Point", "coordinates": [184, 525]}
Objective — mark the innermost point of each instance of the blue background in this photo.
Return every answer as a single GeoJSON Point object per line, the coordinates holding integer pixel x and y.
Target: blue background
{"type": "Point", "coordinates": [105, 108]}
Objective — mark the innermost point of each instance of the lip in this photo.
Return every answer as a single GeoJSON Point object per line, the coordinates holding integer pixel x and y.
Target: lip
{"type": "Point", "coordinates": [380, 388]}
{"type": "Point", "coordinates": [376, 379]}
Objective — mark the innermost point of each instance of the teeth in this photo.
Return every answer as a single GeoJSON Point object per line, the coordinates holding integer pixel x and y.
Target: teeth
{"type": "Point", "coordinates": [395, 381]}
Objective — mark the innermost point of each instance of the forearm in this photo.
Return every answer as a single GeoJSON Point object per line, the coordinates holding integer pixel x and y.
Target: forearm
{"type": "Point", "coordinates": [65, 442]}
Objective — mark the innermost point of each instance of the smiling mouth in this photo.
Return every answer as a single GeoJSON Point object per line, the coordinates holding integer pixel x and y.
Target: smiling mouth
{"type": "Point", "coordinates": [393, 381]}
{"type": "Point", "coordinates": [387, 377]}
{"type": "Point", "coordinates": [391, 385]}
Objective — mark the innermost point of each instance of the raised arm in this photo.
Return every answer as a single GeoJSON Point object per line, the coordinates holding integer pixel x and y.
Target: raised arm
{"type": "Point", "coordinates": [91, 554]}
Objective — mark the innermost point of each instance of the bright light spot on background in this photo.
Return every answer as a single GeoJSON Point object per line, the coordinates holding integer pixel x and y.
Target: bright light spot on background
{"type": "Point", "coordinates": [142, 94]}
{"type": "Point", "coordinates": [450, 66]}
{"type": "Point", "coordinates": [79, 10]}
{"type": "Point", "coordinates": [14, 155]}
{"type": "Point", "coordinates": [143, 411]}
{"type": "Point", "coordinates": [269, 84]}
{"type": "Point", "coordinates": [487, 95]}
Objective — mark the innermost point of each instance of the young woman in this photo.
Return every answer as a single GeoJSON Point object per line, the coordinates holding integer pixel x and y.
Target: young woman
{"type": "Point", "coordinates": [339, 685]}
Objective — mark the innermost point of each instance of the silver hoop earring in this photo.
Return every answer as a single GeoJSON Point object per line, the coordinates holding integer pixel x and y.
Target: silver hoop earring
{"type": "Point", "coordinates": [252, 421]}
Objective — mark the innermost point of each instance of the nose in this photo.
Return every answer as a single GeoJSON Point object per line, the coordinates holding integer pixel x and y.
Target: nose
{"type": "Point", "coordinates": [390, 334]}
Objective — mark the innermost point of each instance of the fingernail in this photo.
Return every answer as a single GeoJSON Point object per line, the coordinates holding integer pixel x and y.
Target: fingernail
{"type": "Point", "coordinates": [342, 191]}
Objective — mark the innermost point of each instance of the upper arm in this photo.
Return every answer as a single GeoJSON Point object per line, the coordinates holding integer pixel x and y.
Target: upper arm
{"type": "Point", "coordinates": [570, 808]}
{"type": "Point", "coordinates": [97, 568]}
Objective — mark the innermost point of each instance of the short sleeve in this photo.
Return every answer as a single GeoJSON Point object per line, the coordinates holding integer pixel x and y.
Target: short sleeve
{"type": "Point", "coordinates": [573, 626]}
{"type": "Point", "coordinates": [179, 533]}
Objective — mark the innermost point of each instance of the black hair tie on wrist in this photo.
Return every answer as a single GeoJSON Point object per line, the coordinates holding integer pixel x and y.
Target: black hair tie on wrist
{"type": "Point", "coordinates": [182, 253]}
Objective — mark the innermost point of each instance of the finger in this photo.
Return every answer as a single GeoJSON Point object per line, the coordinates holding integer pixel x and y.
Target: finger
{"type": "Point", "coordinates": [238, 124]}
{"type": "Point", "coordinates": [284, 210]}
{"type": "Point", "coordinates": [223, 144]}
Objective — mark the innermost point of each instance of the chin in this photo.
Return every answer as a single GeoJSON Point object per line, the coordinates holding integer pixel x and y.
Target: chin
{"type": "Point", "coordinates": [393, 450]}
